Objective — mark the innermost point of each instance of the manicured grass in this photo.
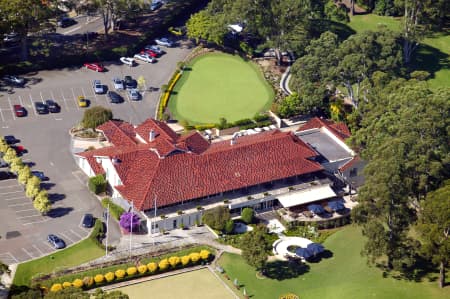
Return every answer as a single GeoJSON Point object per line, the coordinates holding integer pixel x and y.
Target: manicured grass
{"type": "Point", "coordinates": [75, 255]}
{"type": "Point", "coordinates": [433, 55]}
{"type": "Point", "coordinates": [220, 85]}
{"type": "Point", "coordinates": [345, 274]}
{"type": "Point", "coordinates": [192, 285]}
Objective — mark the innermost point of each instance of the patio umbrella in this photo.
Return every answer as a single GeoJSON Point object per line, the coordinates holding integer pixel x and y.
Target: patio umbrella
{"type": "Point", "coordinates": [315, 248]}
{"type": "Point", "coordinates": [303, 252]}
{"type": "Point", "coordinates": [336, 205]}
{"type": "Point", "coordinates": [317, 209]}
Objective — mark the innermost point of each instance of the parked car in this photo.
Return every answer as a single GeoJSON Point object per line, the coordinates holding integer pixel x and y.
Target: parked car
{"type": "Point", "coordinates": [6, 175]}
{"type": "Point", "coordinates": [40, 175]}
{"type": "Point", "coordinates": [127, 60]}
{"type": "Point", "coordinates": [10, 139]}
{"type": "Point", "coordinates": [14, 80]}
{"type": "Point", "coordinates": [82, 102]}
{"type": "Point", "coordinates": [88, 220]}
{"type": "Point", "coordinates": [41, 108]}
{"type": "Point", "coordinates": [134, 94]}
{"type": "Point", "coordinates": [19, 110]}
{"type": "Point", "coordinates": [145, 57]}
{"type": "Point", "coordinates": [130, 82]}
{"type": "Point", "coordinates": [118, 84]}
{"type": "Point", "coordinates": [114, 97]}
{"type": "Point", "coordinates": [164, 42]}
{"type": "Point", "coordinates": [149, 53]}
{"type": "Point", "coordinates": [3, 163]}
{"type": "Point", "coordinates": [56, 242]}
{"type": "Point", "coordinates": [66, 22]}
{"type": "Point", "coordinates": [53, 107]}
{"type": "Point", "coordinates": [98, 87]}
{"type": "Point", "coordinates": [178, 31]}
{"type": "Point", "coordinates": [95, 66]}
{"type": "Point", "coordinates": [11, 37]}
{"type": "Point", "coordinates": [155, 5]}
{"type": "Point", "coordinates": [155, 49]}
{"type": "Point", "coordinates": [20, 149]}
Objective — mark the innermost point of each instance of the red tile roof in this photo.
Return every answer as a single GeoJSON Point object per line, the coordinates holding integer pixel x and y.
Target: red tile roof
{"type": "Point", "coordinates": [350, 163]}
{"type": "Point", "coordinates": [205, 169]}
{"type": "Point", "coordinates": [340, 130]}
{"type": "Point", "coordinates": [118, 132]}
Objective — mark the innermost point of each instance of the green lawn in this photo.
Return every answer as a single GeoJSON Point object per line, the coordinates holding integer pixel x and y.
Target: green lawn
{"type": "Point", "coordinates": [220, 85]}
{"type": "Point", "coordinates": [191, 285]}
{"type": "Point", "coordinates": [432, 55]}
{"type": "Point", "coordinates": [343, 275]}
{"type": "Point", "coordinates": [75, 255]}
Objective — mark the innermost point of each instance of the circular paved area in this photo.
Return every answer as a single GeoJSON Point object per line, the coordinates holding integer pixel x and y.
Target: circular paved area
{"type": "Point", "coordinates": [280, 246]}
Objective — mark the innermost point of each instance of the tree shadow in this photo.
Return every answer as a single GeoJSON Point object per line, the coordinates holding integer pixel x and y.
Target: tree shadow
{"type": "Point", "coordinates": [324, 255]}
{"type": "Point", "coordinates": [430, 59]}
{"type": "Point", "coordinates": [47, 186]}
{"type": "Point", "coordinates": [59, 212]}
{"type": "Point", "coordinates": [54, 197]}
{"type": "Point", "coordinates": [281, 270]}
{"type": "Point", "coordinates": [340, 29]}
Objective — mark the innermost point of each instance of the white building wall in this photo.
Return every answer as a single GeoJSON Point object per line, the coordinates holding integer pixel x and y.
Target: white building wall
{"type": "Point", "coordinates": [84, 166]}
{"type": "Point", "coordinates": [111, 174]}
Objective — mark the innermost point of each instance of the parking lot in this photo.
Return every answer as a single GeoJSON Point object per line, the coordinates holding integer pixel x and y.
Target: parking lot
{"type": "Point", "coordinates": [23, 231]}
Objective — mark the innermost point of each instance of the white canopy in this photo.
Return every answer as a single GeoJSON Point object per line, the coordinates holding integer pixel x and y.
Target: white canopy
{"type": "Point", "coordinates": [295, 198]}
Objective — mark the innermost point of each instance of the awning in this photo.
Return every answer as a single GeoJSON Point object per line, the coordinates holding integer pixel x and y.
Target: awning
{"type": "Point", "coordinates": [295, 198]}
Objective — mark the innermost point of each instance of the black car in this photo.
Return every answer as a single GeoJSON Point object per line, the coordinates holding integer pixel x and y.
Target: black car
{"type": "Point", "coordinates": [10, 139]}
{"type": "Point", "coordinates": [40, 175]}
{"type": "Point", "coordinates": [88, 220]}
{"type": "Point", "coordinates": [66, 22]}
{"type": "Point", "coordinates": [41, 108]}
{"type": "Point", "coordinates": [114, 97]}
{"type": "Point", "coordinates": [14, 80]}
{"type": "Point", "coordinates": [6, 175]}
{"type": "Point", "coordinates": [130, 83]}
{"type": "Point", "coordinates": [53, 107]}
{"type": "Point", "coordinates": [56, 242]}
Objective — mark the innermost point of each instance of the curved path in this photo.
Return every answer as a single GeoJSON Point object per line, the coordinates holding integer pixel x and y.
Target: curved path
{"type": "Point", "coordinates": [280, 246]}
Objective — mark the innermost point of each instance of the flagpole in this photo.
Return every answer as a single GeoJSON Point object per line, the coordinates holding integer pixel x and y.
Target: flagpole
{"type": "Point", "coordinates": [153, 237]}
{"type": "Point", "coordinates": [107, 229]}
{"type": "Point", "coordinates": [131, 224]}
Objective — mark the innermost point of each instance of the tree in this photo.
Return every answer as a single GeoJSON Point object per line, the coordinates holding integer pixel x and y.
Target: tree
{"type": "Point", "coordinates": [217, 217]}
{"type": "Point", "coordinates": [97, 184]}
{"type": "Point", "coordinates": [130, 222]}
{"type": "Point", "coordinates": [229, 226]}
{"type": "Point", "coordinates": [255, 250]}
{"type": "Point", "coordinates": [95, 116]}
{"type": "Point", "coordinates": [33, 187]}
{"type": "Point", "coordinates": [434, 227]}
{"type": "Point", "coordinates": [41, 202]}
{"type": "Point", "coordinates": [16, 164]}
{"type": "Point", "coordinates": [23, 175]}
{"type": "Point", "coordinates": [100, 294]}
{"type": "Point", "coordinates": [9, 155]}
{"type": "Point", "coordinates": [247, 215]}
{"type": "Point", "coordinates": [204, 26]}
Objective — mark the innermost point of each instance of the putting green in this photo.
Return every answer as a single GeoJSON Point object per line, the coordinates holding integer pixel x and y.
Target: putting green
{"type": "Point", "coordinates": [220, 85]}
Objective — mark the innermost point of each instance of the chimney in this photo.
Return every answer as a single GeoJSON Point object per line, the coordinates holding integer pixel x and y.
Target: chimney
{"type": "Point", "coordinates": [232, 141]}
{"type": "Point", "coordinates": [151, 136]}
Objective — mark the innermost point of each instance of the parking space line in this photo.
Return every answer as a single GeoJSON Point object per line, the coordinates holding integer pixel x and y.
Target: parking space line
{"type": "Point", "coordinates": [34, 222]}
{"type": "Point", "coordinates": [64, 98]}
{"type": "Point", "coordinates": [26, 251]}
{"type": "Point", "coordinates": [73, 232]}
{"type": "Point", "coordinates": [75, 99]}
{"type": "Point", "coordinates": [12, 192]}
{"type": "Point", "coordinates": [1, 114]}
{"type": "Point", "coordinates": [19, 204]}
{"type": "Point", "coordinates": [64, 235]}
{"type": "Point", "coordinates": [38, 249]}
{"type": "Point", "coordinates": [12, 186]}
{"type": "Point", "coordinates": [28, 216]}
{"type": "Point", "coordinates": [32, 106]}
{"type": "Point", "coordinates": [50, 246]}
{"type": "Point", "coordinates": [42, 98]}
{"type": "Point", "coordinates": [20, 100]}
{"type": "Point", "coordinates": [12, 110]}
{"type": "Point", "coordinates": [12, 198]}
{"type": "Point", "coordinates": [24, 210]}
{"type": "Point", "coordinates": [12, 256]}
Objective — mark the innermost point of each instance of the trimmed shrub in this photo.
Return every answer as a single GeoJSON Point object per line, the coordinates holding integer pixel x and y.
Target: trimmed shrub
{"type": "Point", "coordinates": [66, 284]}
{"type": "Point", "coordinates": [131, 271]}
{"type": "Point", "coordinates": [261, 117]}
{"type": "Point", "coordinates": [204, 254]}
{"type": "Point", "coordinates": [142, 269]}
{"type": "Point", "coordinates": [185, 260]}
{"type": "Point", "coordinates": [152, 267]}
{"type": "Point", "coordinates": [96, 116]}
{"type": "Point", "coordinates": [243, 122]}
{"type": "Point", "coordinates": [78, 283]}
{"type": "Point", "coordinates": [120, 273]}
{"type": "Point", "coordinates": [163, 264]}
{"type": "Point", "coordinates": [194, 256]}
{"type": "Point", "coordinates": [97, 184]}
{"type": "Point", "coordinates": [204, 127]}
{"type": "Point", "coordinates": [247, 215]}
{"type": "Point", "coordinates": [109, 276]}
{"type": "Point", "coordinates": [99, 278]}
{"type": "Point", "coordinates": [174, 261]}
{"type": "Point", "coordinates": [229, 226]}
{"type": "Point", "coordinates": [56, 287]}
{"type": "Point", "coordinates": [115, 210]}
{"type": "Point", "coordinates": [88, 281]}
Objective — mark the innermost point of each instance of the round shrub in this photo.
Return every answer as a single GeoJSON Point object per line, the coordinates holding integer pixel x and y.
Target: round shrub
{"type": "Point", "coordinates": [163, 264]}
{"type": "Point", "coordinates": [142, 269]}
{"type": "Point", "coordinates": [194, 257]}
{"type": "Point", "coordinates": [109, 276]}
{"type": "Point", "coordinates": [99, 278]}
{"type": "Point", "coordinates": [56, 287]}
{"type": "Point", "coordinates": [120, 273]}
{"type": "Point", "coordinates": [66, 284]}
{"type": "Point", "coordinates": [185, 260]}
{"type": "Point", "coordinates": [152, 267]}
{"type": "Point", "coordinates": [88, 281]}
{"type": "Point", "coordinates": [78, 283]}
{"type": "Point", "coordinates": [174, 261]}
{"type": "Point", "coordinates": [131, 271]}
{"type": "Point", "coordinates": [204, 254]}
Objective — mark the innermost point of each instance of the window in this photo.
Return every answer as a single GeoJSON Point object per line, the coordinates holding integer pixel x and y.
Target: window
{"type": "Point", "coordinates": [353, 172]}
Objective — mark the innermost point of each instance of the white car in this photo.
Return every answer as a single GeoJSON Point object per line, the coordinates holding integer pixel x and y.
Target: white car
{"type": "Point", "coordinates": [98, 87]}
{"type": "Point", "coordinates": [134, 94]}
{"type": "Point", "coordinates": [127, 60]}
{"type": "Point", "coordinates": [164, 42]}
{"type": "Point", "coordinates": [118, 84]}
{"type": "Point", "coordinates": [145, 58]}
{"type": "Point", "coordinates": [155, 49]}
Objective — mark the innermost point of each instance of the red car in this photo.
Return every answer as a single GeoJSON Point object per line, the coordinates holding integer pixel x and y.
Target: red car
{"type": "Point", "coordinates": [19, 110]}
{"type": "Point", "coordinates": [95, 66]}
{"type": "Point", "coordinates": [20, 149]}
{"type": "Point", "coordinates": [149, 53]}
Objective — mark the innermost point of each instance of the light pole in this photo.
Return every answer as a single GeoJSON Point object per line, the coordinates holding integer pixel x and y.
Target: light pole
{"type": "Point", "coordinates": [131, 225]}
{"type": "Point", "coordinates": [107, 229]}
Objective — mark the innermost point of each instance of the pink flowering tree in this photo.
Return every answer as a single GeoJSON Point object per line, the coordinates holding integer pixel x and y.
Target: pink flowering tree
{"type": "Point", "coordinates": [129, 221]}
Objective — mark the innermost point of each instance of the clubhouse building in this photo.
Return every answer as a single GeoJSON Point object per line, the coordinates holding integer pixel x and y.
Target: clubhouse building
{"type": "Point", "coordinates": [171, 179]}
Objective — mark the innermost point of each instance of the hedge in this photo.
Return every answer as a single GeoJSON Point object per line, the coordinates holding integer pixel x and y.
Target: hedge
{"type": "Point", "coordinates": [166, 94]}
{"type": "Point", "coordinates": [115, 210]}
{"type": "Point", "coordinates": [97, 184]}
{"type": "Point", "coordinates": [261, 117]}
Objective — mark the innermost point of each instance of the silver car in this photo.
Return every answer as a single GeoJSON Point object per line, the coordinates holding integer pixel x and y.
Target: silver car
{"type": "Point", "coordinates": [118, 84]}
{"type": "Point", "coordinates": [145, 58]}
{"type": "Point", "coordinates": [134, 94]}
{"type": "Point", "coordinates": [164, 42]}
{"type": "Point", "coordinates": [98, 87]}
